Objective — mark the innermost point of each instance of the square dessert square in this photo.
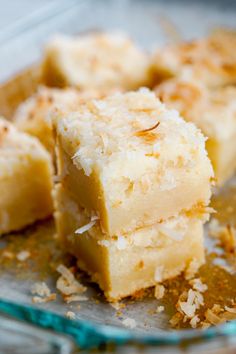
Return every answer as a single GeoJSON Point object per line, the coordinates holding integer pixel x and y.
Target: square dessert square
{"type": "Point", "coordinates": [96, 60]}
{"type": "Point", "coordinates": [125, 264]}
{"type": "Point", "coordinates": [33, 115]}
{"type": "Point", "coordinates": [132, 162]}
{"type": "Point", "coordinates": [25, 179]}
{"type": "Point", "coordinates": [210, 60]}
{"type": "Point", "coordinates": [213, 111]}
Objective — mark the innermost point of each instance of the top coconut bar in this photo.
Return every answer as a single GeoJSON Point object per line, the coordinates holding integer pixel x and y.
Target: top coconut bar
{"type": "Point", "coordinates": [131, 162]}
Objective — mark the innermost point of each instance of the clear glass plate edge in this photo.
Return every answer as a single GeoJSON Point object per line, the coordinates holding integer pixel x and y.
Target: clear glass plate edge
{"type": "Point", "coordinates": [87, 334]}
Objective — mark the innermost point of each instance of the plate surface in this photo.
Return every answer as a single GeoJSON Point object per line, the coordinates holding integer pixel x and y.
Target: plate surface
{"type": "Point", "coordinates": [152, 23]}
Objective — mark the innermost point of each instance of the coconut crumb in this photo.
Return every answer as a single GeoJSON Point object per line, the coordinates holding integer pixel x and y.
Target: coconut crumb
{"type": "Point", "coordinates": [205, 325]}
{"type": "Point", "coordinates": [189, 303]}
{"type": "Point", "coordinates": [67, 284]}
{"type": "Point", "coordinates": [74, 298]}
{"type": "Point", "coordinates": [159, 291]}
{"type": "Point", "coordinates": [43, 293]}
{"type": "Point", "coordinates": [160, 309]}
{"type": "Point", "coordinates": [176, 319]}
{"type": "Point", "coordinates": [218, 314]}
{"type": "Point", "coordinates": [225, 234]}
{"type": "Point", "coordinates": [213, 318]}
{"type": "Point", "coordinates": [117, 305]}
{"type": "Point", "coordinates": [194, 321]}
{"type": "Point", "coordinates": [88, 226]}
{"type": "Point", "coordinates": [41, 289]}
{"type": "Point", "coordinates": [198, 285]}
{"type": "Point", "coordinates": [39, 300]}
{"type": "Point", "coordinates": [70, 315]}
{"type": "Point", "coordinates": [230, 309]}
{"type": "Point", "coordinates": [129, 322]}
{"type": "Point", "coordinates": [193, 302]}
{"type": "Point", "coordinates": [23, 256]}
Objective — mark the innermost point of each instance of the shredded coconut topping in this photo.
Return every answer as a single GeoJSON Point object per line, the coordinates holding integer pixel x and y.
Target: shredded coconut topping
{"type": "Point", "coordinates": [88, 226]}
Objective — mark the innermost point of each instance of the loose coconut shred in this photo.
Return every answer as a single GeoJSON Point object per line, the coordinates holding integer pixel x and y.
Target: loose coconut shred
{"type": "Point", "coordinates": [42, 293]}
{"type": "Point", "coordinates": [189, 304]}
{"type": "Point", "coordinates": [69, 286]}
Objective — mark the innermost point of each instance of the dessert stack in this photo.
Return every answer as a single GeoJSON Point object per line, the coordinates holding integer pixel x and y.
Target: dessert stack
{"type": "Point", "coordinates": [134, 184]}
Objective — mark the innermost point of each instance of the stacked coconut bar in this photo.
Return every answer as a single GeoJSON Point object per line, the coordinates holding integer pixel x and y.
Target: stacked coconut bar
{"type": "Point", "coordinates": [135, 183]}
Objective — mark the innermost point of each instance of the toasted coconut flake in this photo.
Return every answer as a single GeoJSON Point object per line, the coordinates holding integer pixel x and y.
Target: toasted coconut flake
{"type": "Point", "coordinates": [41, 289]}
{"type": "Point", "coordinates": [38, 299]}
{"type": "Point", "coordinates": [228, 239]}
{"type": "Point", "coordinates": [230, 309]}
{"type": "Point", "coordinates": [217, 308]}
{"type": "Point", "coordinates": [74, 298]}
{"type": "Point", "coordinates": [159, 291]}
{"type": "Point", "coordinates": [205, 325]}
{"type": "Point", "coordinates": [70, 315]}
{"type": "Point", "coordinates": [212, 318]}
{"type": "Point", "coordinates": [129, 322]}
{"type": "Point", "coordinates": [225, 234]}
{"type": "Point", "coordinates": [188, 309]}
{"type": "Point", "coordinates": [160, 309]}
{"type": "Point", "coordinates": [66, 273]}
{"type": "Point", "coordinates": [141, 132]}
{"type": "Point", "coordinates": [117, 305]}
{"type": "Point", "coordinates": [228, 316]}
{"type": "Point", "coordinates": [194, 321]}
{"type": "Point", "coordinates": [67, 284]}
{"type": "Point", "coordinates": [198, 285]}
{"type": "Point", "coordinates": [88, 226]}
{"type": "Point", "coordinates": [193, 302]}
{"type": "Point", "coordinates": [176, 319]}
{"type": "Point", "coordinates": [23, 255]}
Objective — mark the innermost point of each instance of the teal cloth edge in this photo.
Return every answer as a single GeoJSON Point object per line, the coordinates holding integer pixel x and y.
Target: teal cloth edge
{"type": "Point", "coordinates": [88, 335]}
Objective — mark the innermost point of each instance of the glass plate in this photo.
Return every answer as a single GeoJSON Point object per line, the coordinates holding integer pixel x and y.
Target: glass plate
{"type": "Point", "coordinates": [96, 321]}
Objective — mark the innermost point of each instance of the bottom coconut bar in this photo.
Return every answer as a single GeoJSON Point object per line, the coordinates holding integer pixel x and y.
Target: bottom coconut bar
{"type": "Point", "coordinates": [124, 265]}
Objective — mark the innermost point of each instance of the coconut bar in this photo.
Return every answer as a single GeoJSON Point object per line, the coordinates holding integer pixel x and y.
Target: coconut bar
{"type": "Point", "coordinates": [25, 179]}
{"type": "Point", "coordinates": [125, 264]}
{"type": "Point", "coordinates": [131, 162]}
{"type": "Point", "coordinates": [213, 111]}
{"type": "Point", "coordinates": [210, 60]}
{"type": "Point", "coordinates": [33, 115]}
{"type": "Point", "coordinates": [97, 60]}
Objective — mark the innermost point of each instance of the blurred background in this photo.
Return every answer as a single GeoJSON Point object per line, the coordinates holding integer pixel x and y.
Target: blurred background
{"type": "Point", "coordinates": [25, 25]}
